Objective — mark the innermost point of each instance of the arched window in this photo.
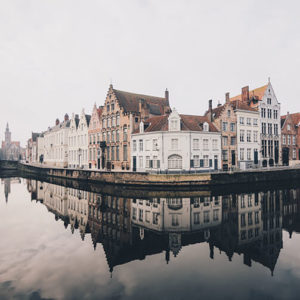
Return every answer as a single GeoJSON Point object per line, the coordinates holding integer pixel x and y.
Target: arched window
{"type": "Point", "coordinates": [174, 162]}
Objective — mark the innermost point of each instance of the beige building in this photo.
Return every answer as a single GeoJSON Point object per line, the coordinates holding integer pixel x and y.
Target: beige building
{"type": "Point", "coordinates": [121, 115]}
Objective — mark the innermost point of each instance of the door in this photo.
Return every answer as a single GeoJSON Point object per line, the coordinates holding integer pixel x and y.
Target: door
{"type": "Point", "coordinates": [134, 164]}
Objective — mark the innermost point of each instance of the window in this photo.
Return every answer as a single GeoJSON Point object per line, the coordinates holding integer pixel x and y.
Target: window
{"type": "Point", "coordinates": [174, 144]}
{"type": "Point", "coordinates": [117, 153]}
{"type": "Point", "coordinates": [112, 153]}
{"type": "Point", "coordinates": [224, 126]}
{"type": "Point", "coordinates": [242, 133]}
{"type": "Point", "coordinates": [269, 100]}
{"type": "Point", "coordinates": [242, 157]}
{"type": "Point", "coordinates": [134, 145]}
{"type": "Point", "coordinates": [206, 216]}
{"type": "Point", "coordinates": [249, 201]}
{"type": "Point", "coordinates": [283, 139]}
{"type": "Point", "coordinates": [255, 134]}
{"type": "Point", "coordinates": [125, 134]}
{"type": "Point", "coordinates": [108, 137]}
{"type": "Point", "coordinates": [256, 217]}
{"type": "Point", "coordinates": [232, 127]}
{"type": "Point", "coordinates": [195, 144]}
{"type": "Point", "coordinates": [243, 220]}
{"type": "Point", "coordinates": [276, 129]}
{"type": "Point", "coordinates": [224, 155]}
{"type": "Point", "coordinates": [289, 139]}
{"type": "Point", "coordinates": [215, 144]}
{"type": "Point", "coordinates": [175, 221]}
{"type": "Point", "coordinates": [140, 145]}
{"type": "Point", "coordinates": [134, 213]}
{"type": "Point", "coordinates": [269, 113]}
{"type": "Point", "coordinates": [196, 161]}
{"type": "Point", "coordinates": [107, 107]}
{"type": "Point", "coordinates": [294, 140]}
{"type": "Point", "coordinates": [248, 154]}
{"type": "Point", "coordinates": [216, 214]}
{"type": "Point", "coordinates": [196, 218]}
{"type": "Point", "coordinates": [103, 123]}
{"type": "Point", "coordinates": [112, 136]}
{"type": "Point", "coordinates": [205, 127]}
{"type": "Point", "coordinates": [255, 122]}
{"type": "Point", "coordinates": [248, 121]}
{"type": "Point", "coordinates": [155, 218]}
{"type": "Point", "coordinates": [269, 128]}
{"type": "Point", "coordinates": [205, 144]}
{"type": "Point", "coordinates": [206, 161]}
{"type": "Point", "coordinates": [155, 162]}
{"type": "Point", "coordinates": [118, 120]}
{"type": "Point", "coordinates": [141, 162]}
{"type": "Point", "coordinates": [294, 153]}
{"type": "Point", "coordinates": [242, 120]}
{"type": "Point", "coordinates": [263, 112]}
{"type": "Point", "coordinates": [108, 122]}
{"type": "Point", "coordinates": [141, 213]}
{"type": "Point", "coordinates": [175, 162]}
{"type": "Point", "coordinates": [112, 107]}
{"type": "Point", "coordinates": [248, 135]}
{"type": "Point", "coordinates": [233, 141]}
{"type": "Point", "coordinates": [125, 152]}
{"type": "Point", "coordinates": [117, 135]}
{"type": "Point", "coordinates": [250, 221]}
{"type": "Point", "coordinates": [263, 128]}
{"type": "Point", "coordinates": [113, 121]}
{"type": "Point", "coordinates": [228, 113]}
{"type": "Point", "coordinates": [288, 127]}
{"type": "Point", "coordinates": [147, 161]}
{"type": "Point", "coordinates": [225, 140]}
{"type": "Point", "coordinates": [275, 113]}
{"type": "Point", "coordinates": [174, 124]}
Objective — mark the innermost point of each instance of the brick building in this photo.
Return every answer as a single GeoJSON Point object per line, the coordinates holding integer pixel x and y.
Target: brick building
{"type": "Point", "coordinates": [94, 133]}
{"type": "Point", "coordinates": [290, 136]}
{"type": "Point", "coordinates": [121, 115]}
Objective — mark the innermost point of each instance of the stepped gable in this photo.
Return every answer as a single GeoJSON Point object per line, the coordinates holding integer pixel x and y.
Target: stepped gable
{"type": "Point", "coordinates": [256, 94]}
{"type": "Point", "coordinates": [130, 102]}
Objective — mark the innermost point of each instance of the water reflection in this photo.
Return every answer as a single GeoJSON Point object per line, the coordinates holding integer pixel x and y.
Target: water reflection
{"type": "Point", "coordinates": [131, 229]}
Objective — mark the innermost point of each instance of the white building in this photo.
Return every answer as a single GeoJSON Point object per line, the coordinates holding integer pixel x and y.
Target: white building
{"type": "Point", "coordinates": [174, 143]}
{"type": "Point", "coordinates": [265, 101]}
{"type": "Point", "coordinates": [78, 141]}
{"type": "Point", "coordinates": [248, 133]}
{"type": "Point", "coordinates": [56, 143]}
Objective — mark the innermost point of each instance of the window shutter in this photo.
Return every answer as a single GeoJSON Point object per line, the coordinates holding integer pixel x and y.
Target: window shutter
{"type": "Point", "coordinates": [201, 163]}
{"type": "Point", "coordinates": [210, 163]}
{"type": "Point", "coordinates": [158, 164]}
{"type": "Point", "coordinates": [192, 163]}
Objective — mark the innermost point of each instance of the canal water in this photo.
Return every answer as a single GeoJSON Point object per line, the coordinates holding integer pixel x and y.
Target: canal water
{"type": "Point", "coordinates": [60, 242]}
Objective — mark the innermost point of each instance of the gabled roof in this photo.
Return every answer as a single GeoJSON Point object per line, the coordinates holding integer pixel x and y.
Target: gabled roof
{"type": "Point", "coordinates": [257, 94]}
{"type": "Point", "coordinates": [88, 119]}
{"type": "Point", "coordinates": [188, 123]}
{"type": "Point", "coordinates": [242, 105]}
{"type": "Point", "coordinates": [100, 111]}
{"type": "Point", "coordinates": [295, 119]}
{"type": "Point", "coordinates": [130, 101]}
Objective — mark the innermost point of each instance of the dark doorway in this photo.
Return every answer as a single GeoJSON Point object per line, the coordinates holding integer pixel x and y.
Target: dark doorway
{"type": "Point", "coordinates": [255, 157]}
{"type": "Point", "coordinates": [271, 162]}
{"type": "Point", "coordinates": [285, 156]}
{"type": "Point", "coordinates": [98, 163]}
{"type": "Point", "coordinates": [233, 157]}
{"type": "Point", "coordinates": [134, 164]}
{"type": "Point", "coordinates": [265, 163]}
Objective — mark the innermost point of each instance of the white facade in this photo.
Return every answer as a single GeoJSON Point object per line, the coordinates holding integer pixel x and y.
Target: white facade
{"type": "Point", "coordinates": [269, 109]}
{"type": "Point", "coordinates": [56, 144]}
{"type": "Point", "coordinates": [78, 141]}
{"type": "Point", "coordinates": [176, 149]}
{"type": "Point", "coordinates": [40, 148]}
{"type": "Point", "coordinates": [248, 138]}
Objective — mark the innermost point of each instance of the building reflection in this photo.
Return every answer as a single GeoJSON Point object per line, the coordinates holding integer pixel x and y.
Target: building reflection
{"type": "Point", "coordinates": [7, 185]}
{"type": "Point", "coordinates": [247, 224]}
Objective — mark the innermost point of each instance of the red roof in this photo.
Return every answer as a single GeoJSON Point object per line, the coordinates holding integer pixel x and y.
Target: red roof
{"type": "Point", "coordinates": [257, 93]}
{"type": "Point", "coordinates": [188, 123]}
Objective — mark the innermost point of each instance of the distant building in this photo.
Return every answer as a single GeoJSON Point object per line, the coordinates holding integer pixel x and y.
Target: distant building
{"type": "Point", "coordinates": [10, 150]}
{"type": "Point", "coordinates": [290, 137]}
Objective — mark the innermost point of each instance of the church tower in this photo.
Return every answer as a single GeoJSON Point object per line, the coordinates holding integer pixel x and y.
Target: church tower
{"type": "Point", "coordinates": [7, 135]}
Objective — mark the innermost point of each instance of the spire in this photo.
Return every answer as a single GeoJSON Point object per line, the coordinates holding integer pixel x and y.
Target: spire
{"type": "Point", "coordinates": [7, 127]}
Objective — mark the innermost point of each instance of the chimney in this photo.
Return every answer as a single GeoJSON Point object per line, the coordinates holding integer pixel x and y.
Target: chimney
{"type": "Point", "coordinates": [66, 118]}
{"type": "Point", "coordinates": [209, 115]}
{"type": "Point", "coordinates": [245, 93]}
{"type": "Point", "coordinates": [56, 122]}
{"type": "Point", "coordinates": [227, 97]}
{"type": "Point", "coordinates": [167, 95]}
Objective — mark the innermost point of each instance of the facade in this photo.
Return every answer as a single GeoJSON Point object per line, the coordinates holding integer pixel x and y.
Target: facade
{"type": "Point", "coordinates": [121, 115]}
{"type": "Point", "coordinates": [290, 137]}
{"type": "Point", "coordinates": [10, 150]}
{"type": "Point", "coordinates": [224, 119]}
{"type": "Point", "coordinates": [78, 141]}
{"type": "Point", "coordinates": [172, 143]}
{"type": "Point", "coordinates": [94, 139]}
{"type": "Point", "coordinates": [248, 132]}
{"type": "Point", "coordinates": [56, 143]}
{"type": "Point", "coordinates": [32, 153]}
{"type": "Point", "coordinates": [264, 99]}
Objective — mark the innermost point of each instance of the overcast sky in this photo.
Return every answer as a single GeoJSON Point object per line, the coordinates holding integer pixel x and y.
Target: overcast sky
{"type": "Point", "coordinates": [59, 56]}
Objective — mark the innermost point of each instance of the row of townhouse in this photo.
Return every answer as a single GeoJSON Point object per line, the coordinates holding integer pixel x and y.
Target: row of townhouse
{"type": "Point", "coordinates": [141, 133]}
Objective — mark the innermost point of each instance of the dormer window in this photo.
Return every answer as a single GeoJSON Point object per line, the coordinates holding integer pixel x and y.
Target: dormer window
{"type": "Point", "coordinates": [174, 124]}
{"type": "Point", "coordinates": [205, 127]}
{"type": "Point", "coordinates": [288, 127]}
{"type": "Point", "coordinates": [142, 127]}
{"type": "Point", "coordinates": [174, 121]}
